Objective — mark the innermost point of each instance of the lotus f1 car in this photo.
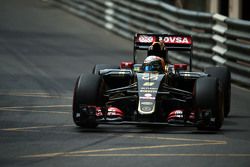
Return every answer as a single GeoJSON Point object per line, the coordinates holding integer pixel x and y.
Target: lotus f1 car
{"type": "Point", "coordinates": [153, 91]}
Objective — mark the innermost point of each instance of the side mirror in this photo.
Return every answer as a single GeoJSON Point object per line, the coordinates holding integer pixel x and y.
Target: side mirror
{"type": "Point", "coordinates": [180, 67]}
{"type": "Point", "coordinates": [126, 65]}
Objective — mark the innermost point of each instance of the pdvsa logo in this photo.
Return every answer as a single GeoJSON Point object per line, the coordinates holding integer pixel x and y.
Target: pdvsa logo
{"type": "Point", "coordinates": [177, 40]}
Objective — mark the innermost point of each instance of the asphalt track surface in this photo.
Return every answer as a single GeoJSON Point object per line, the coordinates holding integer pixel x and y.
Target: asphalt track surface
{"type": "Point", "coordinates": [42, 51]}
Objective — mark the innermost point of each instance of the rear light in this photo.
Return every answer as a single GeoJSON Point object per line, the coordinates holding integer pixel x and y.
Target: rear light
{"type": "Point", "coordinates": [126, 65]}
{"type": "Point", "coordinates": [180, 66]}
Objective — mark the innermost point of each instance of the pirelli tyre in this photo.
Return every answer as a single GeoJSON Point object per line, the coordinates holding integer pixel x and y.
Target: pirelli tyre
{"type": "Point", "coordinates": [208, 97]}
{"type": "Point", "coordinates": [98, 67]}
{"type": "Point", "coordinates": [88, 93]}
{"type": "Point", "coordinates": [224, 75]}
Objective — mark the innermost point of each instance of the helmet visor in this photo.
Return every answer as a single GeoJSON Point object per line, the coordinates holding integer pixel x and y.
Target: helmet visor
{"type": "Point", "coordinates": [148, 68]}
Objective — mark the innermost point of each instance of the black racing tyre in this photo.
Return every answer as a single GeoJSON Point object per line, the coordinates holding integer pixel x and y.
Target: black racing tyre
{"type": "Point", "coordinates": [224, 75]}
{"type": "Point", "coordinates": [208, 96]}
{"type": "Point", "coordinates": [88, 91]}
{"type": "Point", "coordinates": [99, 67]}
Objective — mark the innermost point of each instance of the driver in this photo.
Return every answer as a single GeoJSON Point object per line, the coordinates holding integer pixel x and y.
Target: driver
{"type": "Point", "coordinates": [158, 49]}
{"type": "Point", "coordinates": [154, 64]}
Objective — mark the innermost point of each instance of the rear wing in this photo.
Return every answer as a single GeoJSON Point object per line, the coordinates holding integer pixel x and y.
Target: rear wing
{"type": "Point", "coordinates": [142, 41]}
{"type": "Point", "coordinates": [172, 42]}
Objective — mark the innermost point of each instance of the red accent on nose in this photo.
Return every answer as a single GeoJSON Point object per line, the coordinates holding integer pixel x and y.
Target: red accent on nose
{"type": "Point", "coordinates": [115, 111]}
{"type": "Point", "coordinates": [176, 114]}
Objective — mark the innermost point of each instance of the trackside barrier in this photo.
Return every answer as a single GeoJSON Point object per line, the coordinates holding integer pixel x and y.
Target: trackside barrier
{"type": "Point", "coordinates": [218, 40]}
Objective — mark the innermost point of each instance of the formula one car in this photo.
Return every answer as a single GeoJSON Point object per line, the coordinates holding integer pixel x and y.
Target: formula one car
{"type": "Point", "coordinates": [154, 91]}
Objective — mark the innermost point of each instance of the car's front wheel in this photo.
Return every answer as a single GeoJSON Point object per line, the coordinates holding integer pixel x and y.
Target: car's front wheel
{"type": "Point", "coordinates": [209, 103]}
{"type": "Point", "coordinates": [88, 93]}
{"type": "Point", "coordinates": [223, 74]}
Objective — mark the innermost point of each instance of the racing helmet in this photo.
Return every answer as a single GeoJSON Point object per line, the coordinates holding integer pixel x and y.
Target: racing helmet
{"type": "Point", "coordinates": [154, 64]}
{"type": "Point", "coordinates": [158, 49]}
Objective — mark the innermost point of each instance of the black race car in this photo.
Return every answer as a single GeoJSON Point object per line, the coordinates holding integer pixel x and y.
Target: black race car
{"type": "Point", "coordinates": [153, 91]}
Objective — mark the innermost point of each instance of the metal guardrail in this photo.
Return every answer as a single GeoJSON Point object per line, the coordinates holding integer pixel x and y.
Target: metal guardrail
{"type": "Point", "coordinates": [218, 40]}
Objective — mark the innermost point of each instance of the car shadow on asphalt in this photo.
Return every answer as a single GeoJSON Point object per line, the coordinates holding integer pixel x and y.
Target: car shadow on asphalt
{"type": "Point", "coordinates": [145, 130]}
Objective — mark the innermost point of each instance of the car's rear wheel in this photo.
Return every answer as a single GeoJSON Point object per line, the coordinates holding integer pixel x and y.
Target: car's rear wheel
{"type": "Point", "coordinates": [224, 75]}
{"type": "Point", "coordinates": [208, 97]}
{"type": "Point", "coordinates": [88, 91]}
